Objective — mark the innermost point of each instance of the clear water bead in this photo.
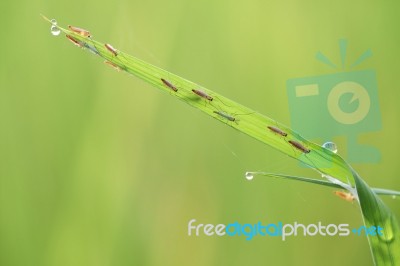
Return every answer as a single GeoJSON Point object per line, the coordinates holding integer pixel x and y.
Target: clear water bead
{"type": "Point", "coordinates": [55, 31]}
{"type": "Point", "coordinates": [330, 146]}
{"type": "Point", "coordinates": [249, 176]}
{"type": "Point", "coordinates": [53, 21]}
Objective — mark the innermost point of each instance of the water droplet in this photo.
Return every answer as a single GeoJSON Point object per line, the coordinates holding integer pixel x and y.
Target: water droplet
{"type": "Point", "coordinates": [53, 21]}
{"type": "Point", "coordinates": [387, 228]}
{"type": "Point", "coordinates": [249, 176]}
{"type": "Point", "coordinates": [55, 30]}
{"type": "Point", "coordinates": [330, 146]}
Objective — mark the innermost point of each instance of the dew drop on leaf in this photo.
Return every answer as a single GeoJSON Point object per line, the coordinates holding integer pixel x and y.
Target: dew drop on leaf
{"type": "Point", "coordinates": [249, 176]}
{"type": "Point", "coordinates": [330, 146]}
{"type": "Point", "coordinates": [55, 31]}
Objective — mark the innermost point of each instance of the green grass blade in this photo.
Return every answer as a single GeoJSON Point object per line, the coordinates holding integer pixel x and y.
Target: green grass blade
{"type": "Point", "coordinates": [248, 121]}
{"type": "Point", "coordinates": [298, 178]}
{"type": "Point", "coordinates": [378, 191]}
{"type": "Point", "coordinates": [386, 192]}
{"type": "Point", "coordinates": [385, 251]}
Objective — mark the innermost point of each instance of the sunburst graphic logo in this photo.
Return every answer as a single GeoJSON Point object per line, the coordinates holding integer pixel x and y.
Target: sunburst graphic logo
{"type": "Point", "coordinates": [344, 103]}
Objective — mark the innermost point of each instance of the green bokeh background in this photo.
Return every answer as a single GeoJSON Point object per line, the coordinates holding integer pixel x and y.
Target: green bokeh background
{"type": "Point", "coordinates": [100, 168]}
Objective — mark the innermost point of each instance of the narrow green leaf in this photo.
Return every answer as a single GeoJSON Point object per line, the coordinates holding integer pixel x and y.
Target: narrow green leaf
{"type": "Point", "coordinates": [385, 248]}
{"type": "Point", "coordinates": [378, 191]}
{"type": "Point", "coordinates": [254, 124]}
{"type": "Point", "coordinates": [298, 178]}
{"type": "Point", "coordinates": [247, 121]}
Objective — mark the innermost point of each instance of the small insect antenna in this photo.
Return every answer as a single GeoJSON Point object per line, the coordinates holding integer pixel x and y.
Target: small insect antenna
{"type": "Point", "coordinates": [216, 97]}
{"type": "Point", "coordinates": [250, 113]}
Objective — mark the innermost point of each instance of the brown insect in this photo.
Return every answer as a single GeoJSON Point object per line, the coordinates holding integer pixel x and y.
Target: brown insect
{"type": "Point", "coordinates": [74, 41]}
{"type": "Point", "coordinates": [116, 67]}
{"type": "Point", "coordinates": [345, 195]}
{"type": "Point", "coordinates": [80, 31]}
{"type": "Point", "coordinates": [299, 146]}
{"type": "Point", "coordinates": [202, 94]}
{"type": "Point", "coordinates": [169, 85]}
{"type": "Point", "coordinates": [111, 49]}
{"type": "Point", "coordinates": [277, 131]}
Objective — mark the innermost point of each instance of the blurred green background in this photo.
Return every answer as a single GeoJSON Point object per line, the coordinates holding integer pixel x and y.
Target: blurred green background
{"type": "Point", "coordinates": [99, 168]}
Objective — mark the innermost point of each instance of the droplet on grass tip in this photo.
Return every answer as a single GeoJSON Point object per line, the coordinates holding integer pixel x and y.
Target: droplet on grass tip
{"type": "Point", "coordinates": [249, 176]}
{"type": "Point", "coordinates": [53, 21]}
{"type": "Point", "coordinates": [55, 31]}
{"type": "Point", "coordinates": [330, 146]}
